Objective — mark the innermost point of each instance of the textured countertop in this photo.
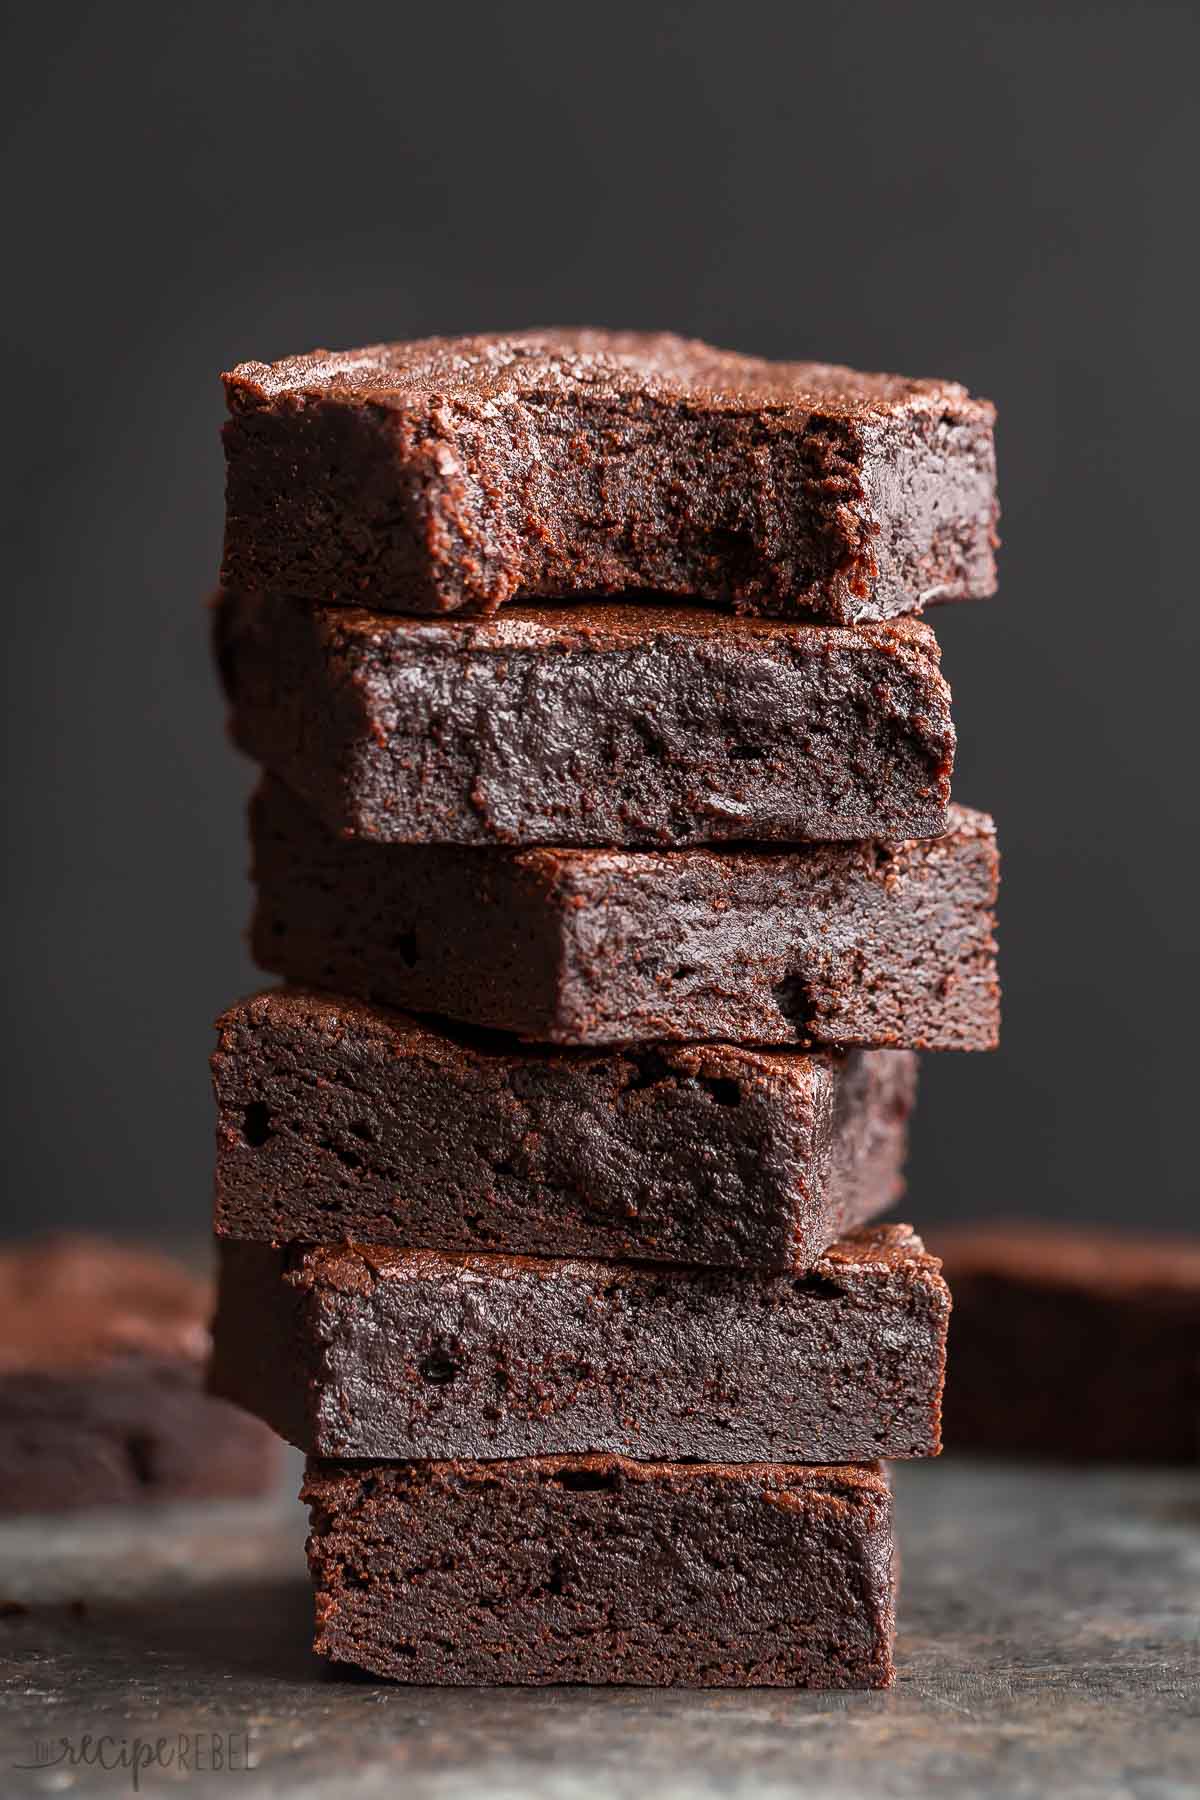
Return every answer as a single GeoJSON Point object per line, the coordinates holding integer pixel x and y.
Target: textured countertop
{"type": "Point", "coordinates": [1049, 1642]}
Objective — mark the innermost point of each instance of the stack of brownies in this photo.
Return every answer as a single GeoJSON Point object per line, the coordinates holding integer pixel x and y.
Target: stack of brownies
{"type": "Point", "coordinates": [604, 838]}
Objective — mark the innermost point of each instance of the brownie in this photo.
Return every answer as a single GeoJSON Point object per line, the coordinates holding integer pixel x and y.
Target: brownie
{"type": "Point", "coordinates": [597, 1569]}
{"type": "Point", "coordinates": [453, 474]}
{"type": "Point", "coordinates": [1074, 1342]}
{"type": "Point", "coordinates": [341, 1120]}
{"type": "Point", "coordinates": [102, 1401]}
{"type": "Point", "coordinates": [371, 1352]}
{"type": "Point", "coordinates": [875, 945]}
{"type": "Point", "coordinates": [602, 725]}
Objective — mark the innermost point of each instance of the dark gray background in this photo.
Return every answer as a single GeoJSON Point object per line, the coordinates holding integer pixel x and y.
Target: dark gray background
{"type": "Point", "coordinates": [1002, 193]}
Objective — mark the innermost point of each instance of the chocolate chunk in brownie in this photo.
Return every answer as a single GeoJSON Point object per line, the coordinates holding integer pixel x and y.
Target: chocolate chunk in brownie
{"type": "Point", "coordinates": [1074, 1342]}
{"type": "Point", "coordinates": [606, 725]}
{"type": "Point", "coordinates": [341, 1120]}
{"type": "Point", "coordinates": [597, 1569]}
{"type": "Point", "coordinates": [877, 945]}
{"type": "Point", "coordinates": [454, 474]}
{"type": "Point", "coordinates": [102, 1401]}
{"type": "Point", "coordinates": [370, 1352]}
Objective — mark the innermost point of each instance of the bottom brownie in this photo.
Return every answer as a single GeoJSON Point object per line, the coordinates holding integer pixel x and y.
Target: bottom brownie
{"type": "Point", "coordinates": [102, 1402]}
{"type": "Point", "coordinates": [598, 1569]}
{"type": "Point", "coordinates": [1073, 1342]}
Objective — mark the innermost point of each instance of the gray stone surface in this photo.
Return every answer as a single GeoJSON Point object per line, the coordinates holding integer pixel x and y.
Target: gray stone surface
{"type": "Point", "coordinates": [1049, 1643]}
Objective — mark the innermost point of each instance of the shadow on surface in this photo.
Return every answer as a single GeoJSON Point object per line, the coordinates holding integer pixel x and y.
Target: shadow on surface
{"type": "Point", "coordinates": [249, 1629]}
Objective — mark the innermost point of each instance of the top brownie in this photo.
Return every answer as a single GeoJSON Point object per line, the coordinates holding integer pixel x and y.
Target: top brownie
{"type": "Point", "coordinates": [454, 474]}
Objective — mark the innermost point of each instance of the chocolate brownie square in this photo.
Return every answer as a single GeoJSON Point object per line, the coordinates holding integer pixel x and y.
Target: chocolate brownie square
{"type": "Point", "coordinates": [607, 725]}
{"type": "Point", "coordinates": [454, 474]}
{"type": "Point", "coordinates": [598, 1569]}
{"type": "Point", "coordinates": [340, 1120]}
{"type": "Point", "coordinates": [875, 945]}
{"type": "Point", "coordinates": [353, 1351]}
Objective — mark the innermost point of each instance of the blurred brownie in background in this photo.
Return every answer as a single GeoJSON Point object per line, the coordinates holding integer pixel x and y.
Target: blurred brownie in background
{"type": "Point", "coordinates": [102, 1357]}
{"type": "Point", "coordinates": [1072, 1342]}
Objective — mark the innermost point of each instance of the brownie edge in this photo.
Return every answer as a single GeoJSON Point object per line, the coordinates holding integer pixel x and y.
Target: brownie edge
{"type": "Point", "coordinates": [598, 1569]}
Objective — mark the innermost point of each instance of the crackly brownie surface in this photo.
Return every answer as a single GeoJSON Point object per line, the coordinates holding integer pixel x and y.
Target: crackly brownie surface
{"type": "Point", "coordinates": [599, 1569]}
{"type": "Point", "coordinates": [356, 1351]}
{"type": "Point", "coordinates": [456, 474]}
{"type": "Point", "coordinates": [877, 945]}
{"type": "Point", "coordinates": [102, 1352]}
{"type": "Point", "coordinates": [1073, 1341]}
{"type": "Point", "coordinates": [341, 1120]}
{"type": "Point", "coordinates": [607, 725]}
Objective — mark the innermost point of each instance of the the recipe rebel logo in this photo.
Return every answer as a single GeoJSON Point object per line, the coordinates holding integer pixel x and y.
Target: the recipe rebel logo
{"type": "Point", "coordinates": [185, 1753]}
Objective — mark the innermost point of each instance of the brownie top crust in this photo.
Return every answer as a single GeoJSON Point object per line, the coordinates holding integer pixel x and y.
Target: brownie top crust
{"type": "Point", "coordinates": [358, 1268]}
{"type": "Point", "coordinates": [1095, 1258]}
{"type": "Point", "coordinates": [486, 371]}
{"type": "Point", "coordinates": [69, 1302]}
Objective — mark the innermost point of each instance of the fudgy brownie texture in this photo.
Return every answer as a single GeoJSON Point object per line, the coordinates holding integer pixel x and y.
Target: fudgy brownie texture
{"type": "Point", "coordinates": [1073, 1342]}
{"type": "Point", "coordinates": [453, 474]}
{"type": "Point", "coordinates": [597, 1569]}
{"type": "Point", "coordinates": [340, 1120]}
{"type": "Point", "coordinates": [102, 1355]}
{"type": "Point", "coordinates": [370, 1352]}
{"type": "Point", "coordinates": [877, 945]}
{"type": "Point", "coordinates": [606, 725]}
